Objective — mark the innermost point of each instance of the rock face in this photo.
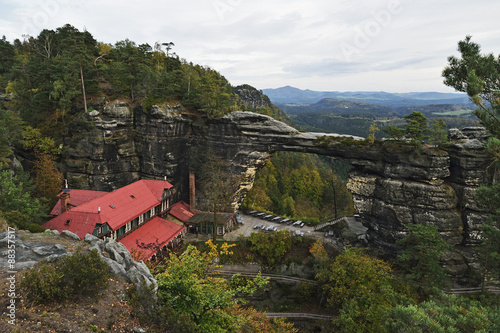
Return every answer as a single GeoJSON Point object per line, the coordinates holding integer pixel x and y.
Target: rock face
{"type": "Point", "coordinates": [390, 188]}
{"type": "Point", "coordinates": [429, 188]}
{"type": "Point", "coordinates": [116, 255]}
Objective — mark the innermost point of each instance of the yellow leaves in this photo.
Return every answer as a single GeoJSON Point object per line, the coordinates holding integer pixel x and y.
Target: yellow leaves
{"type": "Point", "coordinates": [318, 251]}
{"type": "Point", "coordinates": [104, 48]}
{"type": "Point", "coordinates": [215, 251]}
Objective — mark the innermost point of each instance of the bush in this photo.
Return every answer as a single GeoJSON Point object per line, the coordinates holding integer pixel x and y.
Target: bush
{"type": "Point", "coordinates": [77, 275]}
{"type": "Point", "coordinates": [34, 228]}
{"type": "Point", "coordinates": [21, 221]}
{"type": "Point", "coordinates": [85, 273]}
{"type": "Point", "coordinates": [160, 314]}
{"type": "Point", "coordinates": [42, 284]}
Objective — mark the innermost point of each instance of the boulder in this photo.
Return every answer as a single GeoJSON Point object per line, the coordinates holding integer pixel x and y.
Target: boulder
{"type": "Point", "coordinates": [70, 235]}
{"type": "Point", "coordinates": [90, 238]}
{"type": "Point", "coordinates": [116, 255]}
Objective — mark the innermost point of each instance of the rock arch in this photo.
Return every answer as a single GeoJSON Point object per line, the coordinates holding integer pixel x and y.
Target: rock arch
{"type": "Point", "coordinates": [389, 188]}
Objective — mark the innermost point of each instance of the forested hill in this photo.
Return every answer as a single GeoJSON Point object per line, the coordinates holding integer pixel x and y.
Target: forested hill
{"type": "Point", "coordinates": [340, 107]}
{"type": "Point", "coordinates": [49, 80]}
{"type": "Point", "coordinates": [50, 83]}
{"type": "Point", "coordinates": [293, 95]}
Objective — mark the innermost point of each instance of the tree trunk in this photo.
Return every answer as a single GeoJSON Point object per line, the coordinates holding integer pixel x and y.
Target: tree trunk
{"type": "Point", "coordinates": [215, 224]}
{"type": "Point", "coordinates": [83, 89]}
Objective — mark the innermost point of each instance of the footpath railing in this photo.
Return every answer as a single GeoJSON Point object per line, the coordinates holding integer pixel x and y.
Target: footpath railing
{"type": "Point", "coordinates": [333, 222]}
{"type": "Point", "coordinates": [297, 315]}
{"type": "Point", "coordinates": [270, 276]}
{"type": "Point", "coordinates": [473, 290]}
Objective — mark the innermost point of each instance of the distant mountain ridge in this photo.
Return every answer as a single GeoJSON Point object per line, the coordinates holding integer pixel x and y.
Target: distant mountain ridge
{"type": "Point", "coordinates": [291, 95]}
{"type": "Point", "coordinates": [339, 107]}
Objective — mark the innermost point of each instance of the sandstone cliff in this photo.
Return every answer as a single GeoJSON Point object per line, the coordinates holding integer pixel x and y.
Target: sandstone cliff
{"type": "Point", "coordinates": [390, 188]}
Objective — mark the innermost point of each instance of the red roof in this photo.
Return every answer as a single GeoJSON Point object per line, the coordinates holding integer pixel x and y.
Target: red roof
{"type": "Point", "coordinates": [181, 211]}
{"type": "Point", "coordinates": [157, 231]}
{"type": "Point", "coordinates": [80, 223]}
{"type": "Point", "coordinates": [156, 186]}
{"type": "Point", "coordinates": [125, 204]}
{"type": "Point", "coordinates": [117, 208]}
{"type": "Point", "coordinates": [77, 197]}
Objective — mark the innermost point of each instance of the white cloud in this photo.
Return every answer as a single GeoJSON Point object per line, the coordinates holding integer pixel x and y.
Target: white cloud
{"type": "Point", "coordinates": [392, 45]}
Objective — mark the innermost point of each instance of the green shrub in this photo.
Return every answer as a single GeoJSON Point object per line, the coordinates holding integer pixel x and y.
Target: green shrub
{"type": "Point", "coordinates": [85, 273]}
{"type": "Point", "coordinates": [73, 276]}
{"type": "Point", "coordinates": [34, 228]}
{"type": "Point", "coordinates": [21, 221]}
{"type": "Point", "coordinates": [42, 284]}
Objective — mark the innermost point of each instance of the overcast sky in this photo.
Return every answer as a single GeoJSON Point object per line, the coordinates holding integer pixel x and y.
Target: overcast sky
{"type": "Point", "coordinates": [342, 45]}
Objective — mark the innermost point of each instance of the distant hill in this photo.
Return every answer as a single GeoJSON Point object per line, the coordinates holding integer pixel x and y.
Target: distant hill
{"type": "Point", "coordinates": [354, 117]}
{"type": "Point", "coordinates": [347, 109]}
{"type": "Point", "coordinates": [291, 95]}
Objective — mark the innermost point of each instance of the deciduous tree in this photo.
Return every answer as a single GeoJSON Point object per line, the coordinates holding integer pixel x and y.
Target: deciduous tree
{"type": "Point", "coordinates": [271, 246]}
{"type": "Point", "coordinates": [359, 288]}
{"type": "Point", "coordinates": [189, 288]}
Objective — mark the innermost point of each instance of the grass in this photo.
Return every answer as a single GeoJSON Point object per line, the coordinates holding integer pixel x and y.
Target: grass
{"type": "Point", "coordinates": [452, 113]}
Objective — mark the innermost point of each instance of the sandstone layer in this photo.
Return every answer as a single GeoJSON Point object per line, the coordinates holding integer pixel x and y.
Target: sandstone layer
{"type": "Point", "coordinates": [117, 145]}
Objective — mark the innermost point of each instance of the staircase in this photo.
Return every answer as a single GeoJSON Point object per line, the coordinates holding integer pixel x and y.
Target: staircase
{"type": "Point", "coordinates": [333, 222]}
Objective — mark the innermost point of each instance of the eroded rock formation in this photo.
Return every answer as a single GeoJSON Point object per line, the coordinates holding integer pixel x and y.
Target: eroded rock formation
{"type": "Point", "coordinates": [390, 188]}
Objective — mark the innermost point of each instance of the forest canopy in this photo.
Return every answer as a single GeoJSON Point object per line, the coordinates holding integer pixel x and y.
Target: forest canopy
{"type": "Point", "coordinates": [51, 78]}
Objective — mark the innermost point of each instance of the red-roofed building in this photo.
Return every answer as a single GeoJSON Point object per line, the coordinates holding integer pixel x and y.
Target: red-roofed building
{"type": "Point", "coordinates": [114, 214]}
{"type": "Point", "coordinates": [154, 239]}
{"type": "Point", "coordinates": [78, 197]}
{"type": "Point", "coordinates": [181, 211]}
{"type": "Point", "coordinates": [200, 221]}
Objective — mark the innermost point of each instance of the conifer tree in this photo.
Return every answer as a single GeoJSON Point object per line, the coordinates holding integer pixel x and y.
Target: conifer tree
{"type": "Point", "coordinates": [478, 75]}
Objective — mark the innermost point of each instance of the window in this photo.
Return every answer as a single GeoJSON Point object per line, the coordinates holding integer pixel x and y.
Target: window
{"type": "Point", "coordinates": [120, 231]}
{"type": "Point", "coordinates": [141, 219]}
{"type": "Point", "coordinates": [152, 212]}
{"type": "Point", "coordinates": [147, 214]}
{"type": "Point", "coordinates": [135, 222]}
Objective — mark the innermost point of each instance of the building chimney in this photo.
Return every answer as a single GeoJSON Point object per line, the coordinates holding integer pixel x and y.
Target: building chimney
{"type": "Point", "coordinates": [192, 192]}
{"type": "Point", "coordinates": [65, 198]}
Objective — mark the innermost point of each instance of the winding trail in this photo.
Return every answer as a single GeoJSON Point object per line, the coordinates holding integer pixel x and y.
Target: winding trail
{"type": "Point", "coordinates": [270, 276]}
